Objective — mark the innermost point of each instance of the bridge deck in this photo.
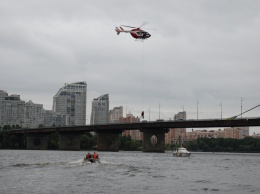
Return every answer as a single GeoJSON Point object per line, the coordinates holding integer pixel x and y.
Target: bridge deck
{"type": "Point", "coordinates": [145, 125]}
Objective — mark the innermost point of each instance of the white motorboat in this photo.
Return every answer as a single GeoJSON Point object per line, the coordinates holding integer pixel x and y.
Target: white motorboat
{"type": "Point", "coordinates": [181, 152]}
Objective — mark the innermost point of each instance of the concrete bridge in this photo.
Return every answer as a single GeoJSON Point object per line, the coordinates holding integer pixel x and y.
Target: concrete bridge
{"type": "Point", "coordinates": [108, 135]}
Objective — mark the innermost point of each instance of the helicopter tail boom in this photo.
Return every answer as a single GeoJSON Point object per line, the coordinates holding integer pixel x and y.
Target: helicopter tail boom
{"type": "Point", "coordinates": [120, 29]}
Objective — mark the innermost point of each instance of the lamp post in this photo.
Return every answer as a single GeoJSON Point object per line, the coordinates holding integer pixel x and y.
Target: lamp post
{"type": "Point", "coordinates": [197, 109]}
{"type": "Point", "coordinates": [220, 110]}
{"type": "Point", "coordinates": [183, 113]}
{"type": "Point", "coordinates": [149, 114]}
{"type": "Point", "coordinates": [242, 105]}
{"type": "Point", "coordinates": [159, 111]}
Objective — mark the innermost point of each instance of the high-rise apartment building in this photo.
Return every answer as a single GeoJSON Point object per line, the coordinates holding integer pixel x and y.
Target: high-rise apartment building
{"type": "Point", "coordinates": [3, 94]}
{"type": "Point", "coordinates": [11, 109]}
{"type": "Point", "coordinates": [100, 110]}
{"type": "Point", "coordinates": [115, 114]}
{"type": "Point", "coordinates": [32, 115]}
{"type": "Point", "coordinates": [245, 131]}
{"type": "Point", "coordinates": [231, 132]}
{"type": "Point", "coordinates": [180, 116]}
{"type": "Point", "coordinates": [71, 101]}
{"type": "Point", "coordinates": [52, 119]}
{"type": "Point", "coordinates": [135, 134]}
{"type": "Point", "coordinates": [176, 135]}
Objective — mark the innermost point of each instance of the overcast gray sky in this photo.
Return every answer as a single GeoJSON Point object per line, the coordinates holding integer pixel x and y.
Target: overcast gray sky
{"type": "Point", "coordinates": [205, 51]}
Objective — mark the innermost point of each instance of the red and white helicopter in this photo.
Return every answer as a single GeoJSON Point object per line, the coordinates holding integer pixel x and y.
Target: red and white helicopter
{"type": "Point", "coordinates": [136, 32]}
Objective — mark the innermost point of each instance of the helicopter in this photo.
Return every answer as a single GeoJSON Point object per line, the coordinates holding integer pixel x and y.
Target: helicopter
{"type": "Point", "coordinates": [136, 32]}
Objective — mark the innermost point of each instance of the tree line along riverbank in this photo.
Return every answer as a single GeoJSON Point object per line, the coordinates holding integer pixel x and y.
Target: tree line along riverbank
{"type": "Point", "coordinates": [89, 141]}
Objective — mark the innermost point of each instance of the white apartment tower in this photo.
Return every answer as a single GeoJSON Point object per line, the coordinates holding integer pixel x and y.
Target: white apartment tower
{"type": "Point", "coordinates": [11, 109]}
{"type": "Point", "coordinates": [71, 101]}
{"type": "Point", "coordinates": [100, 110]}
{"type": "Point", "coordinates": [115, 114]}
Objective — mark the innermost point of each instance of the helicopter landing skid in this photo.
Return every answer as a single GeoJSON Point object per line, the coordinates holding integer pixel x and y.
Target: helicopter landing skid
{"type": "Point", "coordinates": [139, 40]}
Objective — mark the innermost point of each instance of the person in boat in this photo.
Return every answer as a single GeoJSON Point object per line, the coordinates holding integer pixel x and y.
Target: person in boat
{"type": "Point", "coordinates": [95, 155]}
{"type": "Point", "coordinates": [88, 156]}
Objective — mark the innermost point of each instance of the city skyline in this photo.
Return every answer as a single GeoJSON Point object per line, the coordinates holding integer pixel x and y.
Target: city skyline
{"type": "Point", "coordinates": [103, 100]}
{"type": "Point", "coordinates": [201, 56]}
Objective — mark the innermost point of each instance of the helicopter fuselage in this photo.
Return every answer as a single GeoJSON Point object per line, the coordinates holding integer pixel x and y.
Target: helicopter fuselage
{"type": "Point", "coordinates": [139, 34]}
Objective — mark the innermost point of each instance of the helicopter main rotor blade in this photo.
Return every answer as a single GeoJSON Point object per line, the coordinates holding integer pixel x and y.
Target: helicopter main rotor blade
{"type": "Point", "coordinates": [143, 24]}
{"type": "Point", "coordinates": [129, 26]}
{"type": "Point", "coordinates": [149, 29]}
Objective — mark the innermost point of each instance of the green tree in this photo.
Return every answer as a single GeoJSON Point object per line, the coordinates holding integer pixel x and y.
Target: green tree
{"type": "Point", "coordinates": [6, 127]}
{"type": "Point", "coordinates": [124, 141]}
{"type": "Point", "coordinates": [17, 127]}
{"type": "Point", "coordinates": [88, 141]}
{"type": "Point", "coordinates": [192, 146]}
{"type": "Point", "coordinates": [248, 144]}
{"type": "Point", "coordinates": [127, 144]}
{"type": "Point", "coordinates": [257, 146]}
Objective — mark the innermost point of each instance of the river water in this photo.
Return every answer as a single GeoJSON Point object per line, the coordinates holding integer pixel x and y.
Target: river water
{"type": "Point", "coordinates": [27, 171]}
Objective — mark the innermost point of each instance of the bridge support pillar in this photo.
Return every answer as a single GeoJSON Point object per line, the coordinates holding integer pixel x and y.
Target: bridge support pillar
{"type": "Point", "coordinates": [69, 141]}
{"type": "Point", "coordinates": [108, 141]}
{"type": "Point", "coordinates": [154, 140]}
{"type": "Point", "coordinates": [37, 141]}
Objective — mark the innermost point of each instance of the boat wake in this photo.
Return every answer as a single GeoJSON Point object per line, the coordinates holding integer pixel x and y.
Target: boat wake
{"type": "Point", "coordinates": [39, 165]}
{"type": "Point", "coordinates": [79, 162]}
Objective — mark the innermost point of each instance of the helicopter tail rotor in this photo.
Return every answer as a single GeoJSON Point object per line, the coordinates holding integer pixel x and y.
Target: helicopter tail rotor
{"type": "Point", "coordinates": [118, 30]}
